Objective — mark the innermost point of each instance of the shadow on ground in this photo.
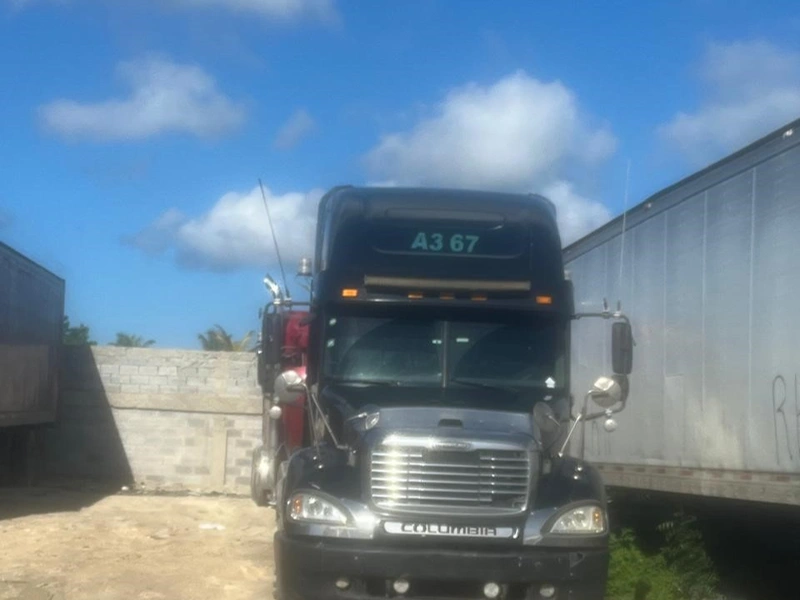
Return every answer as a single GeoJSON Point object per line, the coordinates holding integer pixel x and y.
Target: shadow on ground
{"type": "Point", "coordinates": [50, 498]}
{"type": "Point", "coordinates": [76, 461]}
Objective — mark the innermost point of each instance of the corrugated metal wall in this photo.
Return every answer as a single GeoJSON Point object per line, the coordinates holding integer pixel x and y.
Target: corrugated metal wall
{"type": "Point", "coordinates": [712, 286]}
{"type": "Point", "coordinates": [31, 313]}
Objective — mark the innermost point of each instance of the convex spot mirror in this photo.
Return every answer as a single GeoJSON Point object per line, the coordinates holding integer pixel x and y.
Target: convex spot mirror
{"type": "Point", "coordinates": [606, 392]}
{"type": "Point", "coordinates": [621, 348]}
{"type": "Point", "coordinates": [287, 385]}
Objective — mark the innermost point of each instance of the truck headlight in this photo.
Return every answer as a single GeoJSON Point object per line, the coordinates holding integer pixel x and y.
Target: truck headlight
{"type": "Point", "coordinates": [310, 507]}
{"type": "Point", "coordinates": [586, 519]}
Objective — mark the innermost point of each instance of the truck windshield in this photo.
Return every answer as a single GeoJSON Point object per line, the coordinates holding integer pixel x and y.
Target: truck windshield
{"type": "Point", "coordinates": [518, 350]}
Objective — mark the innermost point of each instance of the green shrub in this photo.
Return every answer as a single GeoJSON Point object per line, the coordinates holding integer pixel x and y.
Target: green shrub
{"type": "Point", "coordinates": [634, 575]}
{"type": "Point", "coordinates": [686, 556]}
{"type": "Point", "coordinates": [679, 570]}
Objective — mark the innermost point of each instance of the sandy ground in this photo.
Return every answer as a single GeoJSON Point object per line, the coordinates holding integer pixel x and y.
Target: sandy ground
{"type": "Point", "coordinates": [70, 545]}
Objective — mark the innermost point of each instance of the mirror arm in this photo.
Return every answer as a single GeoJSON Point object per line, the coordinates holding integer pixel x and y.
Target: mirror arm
{"type": "Point", "coordinates": [584, 416]}
{"type": "Point", "coordinates": [605, 413]}
{"type": "Point", "coordinates": [569, 435]}
{"type": "Point", "coordinates": [327, 425]}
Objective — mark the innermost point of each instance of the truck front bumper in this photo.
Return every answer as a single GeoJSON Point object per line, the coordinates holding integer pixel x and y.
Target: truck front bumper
{"type": "Point", "coordinates": [308, 569]}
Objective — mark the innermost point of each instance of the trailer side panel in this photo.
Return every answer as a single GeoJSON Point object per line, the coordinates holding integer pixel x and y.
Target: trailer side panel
{"type": "Point", "coordinates": [31, 324]}
{"type": "Point", "coordinates": [709, 273]}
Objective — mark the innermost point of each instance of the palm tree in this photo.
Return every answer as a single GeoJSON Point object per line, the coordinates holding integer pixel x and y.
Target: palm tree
{"type": "Point", "coordinates": [217, 339]}
{"type": "Point", "coordinates": [127, 340]}
{"type": "Point", "coordinates": [76, 336]}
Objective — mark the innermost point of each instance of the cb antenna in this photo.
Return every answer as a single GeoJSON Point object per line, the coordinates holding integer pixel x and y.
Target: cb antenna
{"type": "Point", "coordinates": [624, 223]}
{"type": "Point", "coordinates": [274, 239]}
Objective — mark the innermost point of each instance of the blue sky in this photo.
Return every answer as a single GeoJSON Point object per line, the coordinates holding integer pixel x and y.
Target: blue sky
{"type": "Point", "coordinates": [133, 132]}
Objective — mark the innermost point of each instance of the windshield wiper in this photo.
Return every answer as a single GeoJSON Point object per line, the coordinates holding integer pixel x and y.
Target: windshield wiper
{"type": "Point", "coordinates": [481, 384]}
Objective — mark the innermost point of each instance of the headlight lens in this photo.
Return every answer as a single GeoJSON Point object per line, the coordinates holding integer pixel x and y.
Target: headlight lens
{"type": "Point", "coordinates": [310, 507]}
{"type": "Point", "coordinates": [581, 520]}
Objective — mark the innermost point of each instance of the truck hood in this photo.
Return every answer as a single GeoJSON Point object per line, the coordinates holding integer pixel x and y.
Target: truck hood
{"type": "Point", "coordinates": [461, 411]}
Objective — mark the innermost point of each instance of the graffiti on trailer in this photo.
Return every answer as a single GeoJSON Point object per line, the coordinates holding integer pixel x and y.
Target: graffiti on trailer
{"type": "Point", "coordinates": [786, 417]}
{"type": "Point", "coordinates": [599, 440]}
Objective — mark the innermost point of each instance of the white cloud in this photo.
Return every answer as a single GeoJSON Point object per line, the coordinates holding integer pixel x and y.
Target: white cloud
{"type": "Point", "coordinates": [517, 134]}
{"type": "Point", "coordinates": [276, 10]}
{"type": "Point", "coordinates": [299, 125]}
{"type": "Point", "coordinates": [273, 9]}
{"type": "Point", "coordinates": [750, 89]}
{"type": "Point", "coordinates": [577, 215]}
{"type": "Point", "coordinates": [235, 232]}
{"type": "Point", "coordinates": [165, 97]}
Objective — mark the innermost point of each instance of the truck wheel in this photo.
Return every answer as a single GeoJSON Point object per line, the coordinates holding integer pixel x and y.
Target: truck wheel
{"type": "Point", "coordinates": [276, 584]}
{"type": "Point", "coordinates": [259, 496]}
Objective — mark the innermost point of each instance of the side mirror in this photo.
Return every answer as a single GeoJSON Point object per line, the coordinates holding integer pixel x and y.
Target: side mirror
{"type": "Point", "coordinates": [606, 392]}
{"type": "Point", "coordinates": [287, 385]}
{"type": "Point", "coordinates": [621, 348]}
{"type": "Point", "coordinates": [269, 351]}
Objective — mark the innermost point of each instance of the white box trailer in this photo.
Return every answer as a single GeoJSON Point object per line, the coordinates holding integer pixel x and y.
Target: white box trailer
{"type": "Point", "coordinates": [708, 270]}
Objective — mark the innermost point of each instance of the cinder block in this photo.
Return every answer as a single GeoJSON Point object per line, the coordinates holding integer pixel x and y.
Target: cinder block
{"type": "Point", "coordinates": [129, 388]}
{"type": "Point", "coordinates": [168, 371]}
{"type": "Point", "coordinates": [202, 470]}
{"type": "Point", "coordinates": [234, 433]}
{"type": "Point", "coordinates": [108, 369]}
{"type": "Point", "coordinates": [182, 470]}
{"type": "Point", "coordinates": [128, 370]}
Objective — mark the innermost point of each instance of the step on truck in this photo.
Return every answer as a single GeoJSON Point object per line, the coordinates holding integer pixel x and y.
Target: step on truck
{"type": "Point", "coordinates": [418, 412]}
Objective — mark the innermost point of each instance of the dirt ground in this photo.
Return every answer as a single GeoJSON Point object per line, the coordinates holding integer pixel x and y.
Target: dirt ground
{"type": "Point", "coordinates": [75, 545]}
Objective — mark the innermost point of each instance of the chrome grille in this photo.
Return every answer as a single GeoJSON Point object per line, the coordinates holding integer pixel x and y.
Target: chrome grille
{"type": "Point", "coordinates": [411, 477]}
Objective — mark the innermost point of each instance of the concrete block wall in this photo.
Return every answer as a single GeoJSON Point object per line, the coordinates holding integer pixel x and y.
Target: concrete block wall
{"type": "Point", "coordinates": [169, 419]}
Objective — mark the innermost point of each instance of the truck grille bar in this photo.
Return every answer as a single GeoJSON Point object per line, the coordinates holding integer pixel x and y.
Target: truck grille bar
{"type": "Point", "coordinates": [486, 479]}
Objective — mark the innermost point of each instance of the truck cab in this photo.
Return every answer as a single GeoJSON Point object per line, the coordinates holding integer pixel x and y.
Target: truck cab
{"type": "Point", "coordinates": [436, 410]}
